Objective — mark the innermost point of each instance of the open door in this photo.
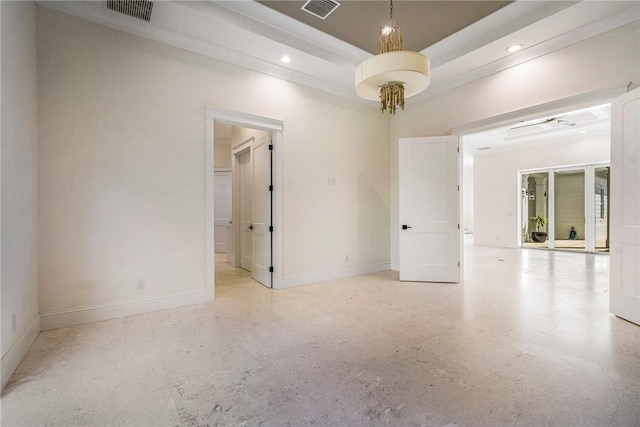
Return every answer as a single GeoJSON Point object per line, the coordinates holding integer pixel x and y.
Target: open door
{"type": "Point", "coordinates": [246, 209]}
{"type": "Point", "coordinates": [429, 209]}
{"type": "Point", "coordinates": [624, 289]}
{"type": "Point", "coordinates": [261, 259]}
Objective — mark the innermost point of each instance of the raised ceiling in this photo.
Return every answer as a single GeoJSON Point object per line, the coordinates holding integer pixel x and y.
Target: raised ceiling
{"type": "Point", "coordinates": [423, 23]}
{"type": "Point", "coordinates": [561, 127]}
{"type": "Point", "coordinates": [252, 35]}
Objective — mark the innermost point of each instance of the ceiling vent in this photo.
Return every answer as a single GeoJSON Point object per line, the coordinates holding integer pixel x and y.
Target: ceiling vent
{"type": "Point", "coordinates": [140, 9]}
{"type": "Point", "coordinates": [320, 8]}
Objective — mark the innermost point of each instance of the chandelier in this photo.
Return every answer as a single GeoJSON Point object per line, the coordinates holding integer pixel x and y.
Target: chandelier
{"type": "Point", "coordinates": [394, 74]}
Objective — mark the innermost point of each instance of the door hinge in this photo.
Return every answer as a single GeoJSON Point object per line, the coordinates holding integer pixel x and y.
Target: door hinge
{"type": "Point", "coordinates": [457, 149]}
{"type": "Point", "coordinates": [270, 187]}
{"type": "Point", "coordinates": [271, 228]}
{"type": "Point", "coordinates": [270, 147]}
{"type": "Point", "coordinates": [458, 188]}
{"type": "Point", "coordinates": [271, 269]}
{"type": "Point", "coordinates": [458, 263]}
{"type": "Point", "coordinates": [458, 226]}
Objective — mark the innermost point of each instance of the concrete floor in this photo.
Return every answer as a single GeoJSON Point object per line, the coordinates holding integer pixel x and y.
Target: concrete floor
{"type": "Point", "coordinates": [526, 340]}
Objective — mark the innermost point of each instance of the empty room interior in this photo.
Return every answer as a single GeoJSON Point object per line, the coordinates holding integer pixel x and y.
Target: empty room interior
{"type": "Point", "coordinates": [224, 213]}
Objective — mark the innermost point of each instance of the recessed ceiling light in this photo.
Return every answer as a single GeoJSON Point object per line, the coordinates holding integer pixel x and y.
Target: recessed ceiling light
{"type": "Point", "coordinates": [514, 48]}
{"type": "Point", "coordinates": [286, 59]}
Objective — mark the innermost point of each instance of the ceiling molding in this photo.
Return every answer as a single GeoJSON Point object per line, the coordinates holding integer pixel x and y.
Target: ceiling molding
{"type": "Point", "coordinates": [589, 99]}
{"type": "Point", "coordinates": [253, 36]}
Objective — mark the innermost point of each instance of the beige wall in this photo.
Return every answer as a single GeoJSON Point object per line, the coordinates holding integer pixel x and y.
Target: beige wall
{"type": "Point", "coordinates": [240, 135]}
{"type": "Point", "coordinates": [18, 217]}
{"type": "Point", "coordinates": [122, 178]}
{"type": "Point", "coordinates": [602, 62]}
{"type": "Point", "coordinates": [222, 154]}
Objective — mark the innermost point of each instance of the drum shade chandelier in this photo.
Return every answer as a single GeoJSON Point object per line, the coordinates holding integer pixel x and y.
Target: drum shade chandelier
{"type": "Point", "coordinates": [394, 74]}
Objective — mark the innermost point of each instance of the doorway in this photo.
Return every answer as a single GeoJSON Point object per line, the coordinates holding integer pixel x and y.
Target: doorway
{"type": "Point", "coordinates": [509, 172]}
{"type": "Point", "coordinates": [565, 208]}
{"type": "Point", "coordinates": [270, 223]}
{"type": "Point", "coordinates": [252, 204]}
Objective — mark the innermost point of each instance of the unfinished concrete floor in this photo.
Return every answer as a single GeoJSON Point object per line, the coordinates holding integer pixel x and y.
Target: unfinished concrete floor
{"type": "Point", "coordinates": [526, 340]}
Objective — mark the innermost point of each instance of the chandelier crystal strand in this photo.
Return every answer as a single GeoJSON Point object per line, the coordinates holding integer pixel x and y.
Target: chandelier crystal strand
{"type": "Point", "coordinates": [391, 97]}
{"type": "Point", "coordinates": [394, 73]}
{"type": "Point", "coordinates": [390, 40]}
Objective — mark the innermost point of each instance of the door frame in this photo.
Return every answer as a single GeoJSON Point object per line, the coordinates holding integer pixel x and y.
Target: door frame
{"type": "Point", "coordinates": [576, 102]}
{"type": "Point", "coordinates": [236, 198]}
{"type": "Point", "coordinates": [246, 120]}
{"type": "Point", "coordinates": [589, 203]}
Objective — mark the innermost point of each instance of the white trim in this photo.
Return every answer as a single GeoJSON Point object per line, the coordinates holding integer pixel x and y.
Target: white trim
{"type": "Point", "coordinates": [11, 359]}
{"type": "Point", "coordinates": [243, 119]}
{"type": "Point", "coordinates": [244, 146]}
{"type": "Point", "coordinates": [585, 100]}
{"type": "Point", "coordinates": [341, 273]}
{"type": "Point", "coordinates": [219, 169]}
{"type": "Point", "coordinates": [95, 313]}
{"type": "Point", "coordinates": [275, 127]}
{"type": "Point", "coordinates": [209, 201]}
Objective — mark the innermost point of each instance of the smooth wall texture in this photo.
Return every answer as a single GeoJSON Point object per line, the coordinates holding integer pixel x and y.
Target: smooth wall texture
{"type": "Point", "coordinates": [122, 167]}
{"type": "Point", "coordinates": [495, 190]}
{"type": "Point", "coordinates": [18, 217]}
{"type": "Point", "coordinates": [609, 60]}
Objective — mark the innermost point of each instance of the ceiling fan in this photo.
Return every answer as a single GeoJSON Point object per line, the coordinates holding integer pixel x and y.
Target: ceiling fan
{"type": "Point", "coordinates": [558, 119]}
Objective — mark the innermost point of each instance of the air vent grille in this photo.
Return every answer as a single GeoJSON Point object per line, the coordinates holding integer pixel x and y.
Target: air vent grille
{"type": "Point", "coordinates": [140, 9]}
{"type": "Point", "coordinates": [320, 8]}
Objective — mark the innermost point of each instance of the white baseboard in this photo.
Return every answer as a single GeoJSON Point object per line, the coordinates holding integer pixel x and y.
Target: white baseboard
{"type": "Point", "coordinates": [80, 315]}
{"type": "Point", "coordinates": [341, 273]}
{"type": "Point", "coordinates": [11, 359]}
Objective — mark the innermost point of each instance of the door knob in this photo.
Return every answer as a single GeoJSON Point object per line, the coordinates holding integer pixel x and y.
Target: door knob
{"type": "Point", "coordinates": [251, 227]}
{"type": "Point", "coordinates": [404, 226]}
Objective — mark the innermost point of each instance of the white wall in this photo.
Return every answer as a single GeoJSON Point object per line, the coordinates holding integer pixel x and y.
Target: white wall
{"type": "Point", "coordinates": [123, 171]}
{"type": "Point", "coordinates": [18, 217]}
{"type": "Point", "coordinates": [496, 196]}
{"type": "Point", "coordinates": [602, 62]}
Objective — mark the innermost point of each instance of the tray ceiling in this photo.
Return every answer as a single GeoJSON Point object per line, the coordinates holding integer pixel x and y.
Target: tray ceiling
{"type": "Point", "coordinates": [423, 23]}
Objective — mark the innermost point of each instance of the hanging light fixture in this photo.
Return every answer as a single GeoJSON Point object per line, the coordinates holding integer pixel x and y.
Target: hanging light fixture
{"type": "Point", "coordinates": [394, 74]}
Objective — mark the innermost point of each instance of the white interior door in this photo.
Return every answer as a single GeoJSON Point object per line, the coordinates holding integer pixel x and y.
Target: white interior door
{"type": "Point", "coordinates": [246, 210]}
{"type": "Point", "coordinates": [429, 209]}
{"type": "Point", "coordinates": [625, 207]}
{"type": "Point", "coordinates": [261, 259]}
{"type": "Point", "coordinates": [222, 209]}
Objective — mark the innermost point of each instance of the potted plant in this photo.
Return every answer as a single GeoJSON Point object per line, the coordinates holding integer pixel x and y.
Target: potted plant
{"type": "Point", "coordinates": [540, 221]}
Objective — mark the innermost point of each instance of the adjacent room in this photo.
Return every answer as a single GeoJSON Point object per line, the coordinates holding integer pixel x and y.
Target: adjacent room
{"type": "Point", "coordinates": [225, 213]}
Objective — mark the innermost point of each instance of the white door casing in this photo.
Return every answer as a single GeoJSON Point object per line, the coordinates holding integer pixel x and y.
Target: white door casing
{"type": "Point", "coordinates": [429, 196]}
{"type": "Point", "coordinates": [624, 289]}
{"type": "Point", "coordinates": [246, 210]}
{"type": "Point", "coordinates": [261, 257]}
